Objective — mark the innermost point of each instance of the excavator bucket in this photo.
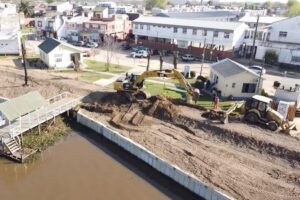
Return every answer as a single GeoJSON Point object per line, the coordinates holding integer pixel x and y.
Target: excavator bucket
{"type": "Point", "coordinates": [287, 126]}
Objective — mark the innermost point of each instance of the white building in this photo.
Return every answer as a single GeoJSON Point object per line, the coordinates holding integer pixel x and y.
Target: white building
{"type": "Point", "coordinates": [59, 7]}
{"type": "Point", "coordinates": [263, 20]}
{"type": "Point", "coordinates": [56, 54]}
{"type": "Point", "coordinates": [283, 37]}
{"type": "Point", "coordinates": [8, 8]}
{"type": "Point", "coordinates": [48, 25]}
{"type": "Point", "coordinates": [214, 35]}
{"type": "Point", "coordinates": [232, 78]}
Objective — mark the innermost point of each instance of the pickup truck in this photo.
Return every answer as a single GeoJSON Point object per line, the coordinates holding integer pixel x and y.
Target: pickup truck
{"type": "Point", "coordinates": [188, 57]}
{"type": "Point", "coordinates": [139, 54]}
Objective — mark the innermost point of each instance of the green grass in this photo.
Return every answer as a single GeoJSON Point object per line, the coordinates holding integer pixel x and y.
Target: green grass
{"type": "Point", "coordinates": [27, 30]}
{"type": "Point", "coordinates": [204, 101]}
{"type": "Point", "coordinates": [87, 76]}
{"type": "Point", "coordinates": [173, 80]}
{"type": "Point", "coordinates": [10, 57]}
{"type": "Point", "coordinates": [101, 67]}
{"type": "Point", "coordinates": [49, 135]}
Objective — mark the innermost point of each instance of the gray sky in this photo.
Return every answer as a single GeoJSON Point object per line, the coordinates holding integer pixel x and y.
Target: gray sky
{"type": "Point", "coordinates": [256, 1]}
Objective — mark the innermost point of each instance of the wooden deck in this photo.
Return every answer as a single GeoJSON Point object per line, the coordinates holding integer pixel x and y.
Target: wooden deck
{"type": "Point", "coordinates": [56, 106]}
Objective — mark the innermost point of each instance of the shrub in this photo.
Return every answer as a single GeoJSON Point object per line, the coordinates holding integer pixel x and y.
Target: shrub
{"type": "Point", "coordinates": [276, 84]}
{"type": "Point", "coordinates": [264, 93]}
{"type": "Point", "coordinates": [271, 56]}
{"type": "Point", "coordinates": [193, 74]}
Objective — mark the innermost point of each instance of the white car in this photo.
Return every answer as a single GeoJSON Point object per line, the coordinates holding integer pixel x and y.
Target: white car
{"type": "Point", "coordinates": [188, 57]}
{"type": "Point", "coordinates": [92, 45]}
{"type": "Point", "coordinates": [139, 54]}
{"type": "Point", "coordinates": [257, 69]}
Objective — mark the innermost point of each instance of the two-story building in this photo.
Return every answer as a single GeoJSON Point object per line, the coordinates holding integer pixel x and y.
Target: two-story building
{"type": "Point", "coordinates": [215, 39]}
{"type": "Point", "coordinates": [283, 37]}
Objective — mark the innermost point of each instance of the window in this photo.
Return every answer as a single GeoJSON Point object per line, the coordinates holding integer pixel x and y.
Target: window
{"type": "Point", "coordinates": [204, 33]}
{"type": "Point", "coordinates": [233, 85]}
{"type": "Point", "coordinates": [194, 31]}
{"type": "Point", "coordinates": [141, 26]}
{"type": "Point", "coordinates": [136, 26]}
{"type": "Point", "coordinates": [282, 34]}
{"type": "Point", "coordinates": [58, 57]}
{"type": "Point", "coordinates": [216, 34]}
{"type": "Point", "coordinates": [184, 30]}
{"type": "Point", "coordinates": [58, 60]}
{"type": "Point", "coordinates": [249, 88]}
{"type": "Point", "coordinates": [40, 24]}
{"type": "Point", "coordinates": [226, 35]}
{"type": "Point", "coordinates": [296, 59]}
{"type": "Point", "coordinates": [50, 24]}
{"type": "Point", "coordinates": [175, 30]}
{"type": "Point", "coordinates": [148, 27]}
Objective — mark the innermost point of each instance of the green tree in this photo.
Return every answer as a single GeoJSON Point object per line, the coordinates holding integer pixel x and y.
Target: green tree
{"type": "Point", "coordinates": [293, 8]}
{"type": "Point", "coordinates": [267, 5]}
{"type": "Point", "coordinates": [271, 56]}
{"type": "Point", "coordinates": [253, 6]}
{"type": "Point", "coordinates": [156, 3]}
{"type": "Point", "coordinates": [49, 1]}
{"type": "Point", "coordinates": [25, 8]}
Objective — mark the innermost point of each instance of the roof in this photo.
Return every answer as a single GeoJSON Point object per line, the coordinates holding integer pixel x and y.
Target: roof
{"type": "Point", "coordinates": [50, 44]}
{"type": "Point", "coordinates": [227, 68]}
{"type": "Point", "coordinates": [189, 23]}
{"type": "Point", "coordinates": [199, 15]}
{"type": "Point", "coordinates": [17, 107]}
{"type": "Point", "coordinates": [78, 19]}
{"type": "Point", "coordinates": [263, 19]}
{"type": "Point", "coordinates": [262, 98]}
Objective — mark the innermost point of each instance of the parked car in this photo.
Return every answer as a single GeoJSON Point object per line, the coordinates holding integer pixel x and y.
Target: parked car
{"type": "Point", "coordinates": [78, 43]}
{"type": "Point", "coordinates": [92, 44]}
{"type": "Point", "coordinates": [86, 54]}
{"type": "Point", "coordinates": [188, 57]}
{"type": "Point", "coordinates": [139, 54]}
{"type": "Point", "coordinates": [257, 69]}
{"type": "Point", "coordinates": [138, 48]}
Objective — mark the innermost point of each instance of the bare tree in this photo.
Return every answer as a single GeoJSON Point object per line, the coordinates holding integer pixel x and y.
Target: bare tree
{"type": "Point", "coordinates": [161, 60]}
{"type": "Point", "coordinates": [94, 52]}
{"type": "Point", "coordinates": [175, 59]}
{"type": "Point", "coordinates": [110, 48]}
{"type": "Point", "coordinates": [148, 60]}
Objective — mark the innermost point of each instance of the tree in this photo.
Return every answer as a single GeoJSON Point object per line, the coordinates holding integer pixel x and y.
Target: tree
{"type": "Point", "coordinates": [292, 3]}
{"type": "Point", "coordinates": [253, 6]}
{"type": "Point", "coordinates": [110, 48]}
{"type": "Point", "coordinates": [148, 60]}
{"type": "Point", "coordinates": [25, 8]}
{"type": "Point", "coordinates": [156, 3]}
{"type": "Point", "coordinates": [175, 59]}
{"type": "Point", "coordinates": [293, 8]}
{"type": "Point", "coordinates": [49, 1]}
{"type": "Point", "coordinates": [267, 5]}
{"type": "Point", "coordinates": [271, 56]}
{"type": "Point", "coordinates": [24, 62]}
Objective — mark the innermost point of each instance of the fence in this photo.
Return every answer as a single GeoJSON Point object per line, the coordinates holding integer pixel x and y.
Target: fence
{"type": "Point", "coordinates": [172, 171]}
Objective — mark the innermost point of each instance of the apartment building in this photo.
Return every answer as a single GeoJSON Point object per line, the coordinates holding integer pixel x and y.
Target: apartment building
{"type": "Point", "coordinates": [213, 38]}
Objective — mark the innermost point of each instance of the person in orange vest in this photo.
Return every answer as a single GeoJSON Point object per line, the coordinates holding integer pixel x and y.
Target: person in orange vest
{"type": "Point", "coordinates": [216, 102]}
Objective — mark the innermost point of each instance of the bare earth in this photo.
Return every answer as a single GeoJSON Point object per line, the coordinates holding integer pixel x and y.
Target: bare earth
{"type": "Point", "coordinates": [243, 161]}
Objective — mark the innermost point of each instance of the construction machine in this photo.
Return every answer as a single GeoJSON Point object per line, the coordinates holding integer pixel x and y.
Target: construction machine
{"type": "Point", "coordinates": [132, 85]}
{"type": "Point", "coordinates": [258, 110]}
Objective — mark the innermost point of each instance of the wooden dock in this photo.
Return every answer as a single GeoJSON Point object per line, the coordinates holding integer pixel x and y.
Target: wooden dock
{"type": "Point", "coordinates": [9, 134]}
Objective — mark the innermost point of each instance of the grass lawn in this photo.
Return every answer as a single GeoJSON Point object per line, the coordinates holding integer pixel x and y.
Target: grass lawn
{"type": "Point", "coordinates": [100, 67]}
{"type": "Point", "coordinates": [86, 76]}
{"type": "Point", "coordinates": [27, 30]}
{"type": "Point", "coordinates": [204, 101]}
{"type": "Point", "coordinates": [10, 57]}
{"type": "Point", "coordinates": [173, 80]}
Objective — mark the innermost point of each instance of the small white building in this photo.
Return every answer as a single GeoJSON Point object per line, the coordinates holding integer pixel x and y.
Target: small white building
{"type": "Point", "coordinates": [10, 43]}
{"type": "Point", "coordinates": [59, 6]}
{"type": "Point", "coordinates": [263, 20]}
{"type": "Point", "coordinates": [57, 54]}
{"type": "Point", "coordinates": [232, 78]}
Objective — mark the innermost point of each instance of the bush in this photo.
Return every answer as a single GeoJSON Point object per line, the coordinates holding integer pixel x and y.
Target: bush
{"type": "Point", "coordinates": [202, 78]}
{"type": "Point", "coordinates": [264, 93]}
{"type": "Point", "coordinates": [193, 74]}
{"type": "Point", "coordinates": [271, 56]}
{"type": "Point", "coordinates": [230, 98]}
{"type": "Point", "coordinates": [276, 84]}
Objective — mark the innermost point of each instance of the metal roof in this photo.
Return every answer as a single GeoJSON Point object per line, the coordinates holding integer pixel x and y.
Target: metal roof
{"type": "Point", "coordinates": [262, 98]}
{"type": "Point", "coordinates": [189, 23]}
{"type": "Point", "coordinates": [227, 68]}
{"type": "Point", "coordinates": [48, 45]}
{"type": "Point", "coordinates": [17, 107]}
{"type": "Point", "coordinates": [198, 15]}
{"type": "Point", "coordinates": [262, 19]}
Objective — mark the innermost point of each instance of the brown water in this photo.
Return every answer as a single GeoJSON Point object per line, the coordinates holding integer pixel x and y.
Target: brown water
{"type": "Point", "coordinates": [78, 168]}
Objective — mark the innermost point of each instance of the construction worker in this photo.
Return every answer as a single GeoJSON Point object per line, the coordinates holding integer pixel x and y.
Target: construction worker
{"type": "Point", "coordinates": [216, 102]}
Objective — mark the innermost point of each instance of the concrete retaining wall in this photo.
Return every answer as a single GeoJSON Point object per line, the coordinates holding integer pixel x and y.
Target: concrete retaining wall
{"type": "Point", "coordinates": [172, 171]}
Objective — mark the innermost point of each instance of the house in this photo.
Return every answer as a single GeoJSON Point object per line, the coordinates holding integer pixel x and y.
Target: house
{"type": "Point", "coordinates": [214, 38]}
{"type": "Point", "coordinates": [232, 78]}
{"type": "Point", "coordinates": [263, 20]}
{"type": "Point", "coordinates": [59, 6]}
{"type": "Point", "coordinates": [48, 24]}
{"type": "Point", "coordinates": [283, 37]}
{"type": "Point", "coordinates": [74, 27]}
{"type": "Point", "coordinates": [57, 54]}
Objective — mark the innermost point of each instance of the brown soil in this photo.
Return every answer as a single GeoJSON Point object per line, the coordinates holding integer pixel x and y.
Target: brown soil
{"type": "Point", "coordinates": [243, 161]}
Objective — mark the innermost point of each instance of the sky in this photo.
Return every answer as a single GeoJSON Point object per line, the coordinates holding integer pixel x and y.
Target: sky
{"type": "Point", "coordinates": [256, 1]}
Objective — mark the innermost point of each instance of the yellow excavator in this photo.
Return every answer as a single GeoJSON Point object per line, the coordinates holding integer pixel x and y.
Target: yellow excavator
{"type": "Point", "coordinates": [133, 84]}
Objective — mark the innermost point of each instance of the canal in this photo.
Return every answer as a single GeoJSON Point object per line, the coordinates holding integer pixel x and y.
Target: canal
{"type": "Point", "coordinates": [86, 166]}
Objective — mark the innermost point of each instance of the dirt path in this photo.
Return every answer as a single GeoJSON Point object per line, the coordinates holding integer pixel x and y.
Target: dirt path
{"type": "Point", "coordinates": [243, 161]}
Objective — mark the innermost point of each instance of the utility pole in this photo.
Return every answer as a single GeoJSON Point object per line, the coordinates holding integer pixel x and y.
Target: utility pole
{"type": "Point", "coordinates": [254, 39]}
{"type": "Point", "coordinates": [259, 79]}
{"type": "Point", "coordinates": [203, 55]}
{"type": "Point", "coordinates": [24, 62]}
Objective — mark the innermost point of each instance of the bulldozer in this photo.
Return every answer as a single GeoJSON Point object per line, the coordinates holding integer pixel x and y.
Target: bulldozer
{"type": "Point", "coordinates": [132, 85]}
{"type": "Point", "coordinates": [258, 110]}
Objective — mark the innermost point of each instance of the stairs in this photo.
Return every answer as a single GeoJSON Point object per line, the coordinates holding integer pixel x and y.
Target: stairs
{"type": "Point", "coordinates": [12, 146]}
